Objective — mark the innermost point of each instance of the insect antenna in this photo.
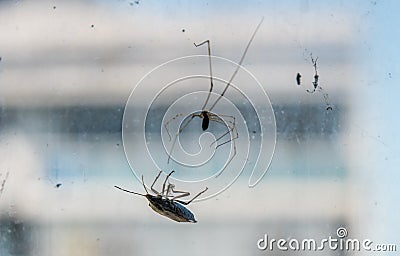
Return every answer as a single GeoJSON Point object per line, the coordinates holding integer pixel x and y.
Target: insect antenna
{"type": "Point", "coordinates": [132, 192]}
{"type": "Point", "coordinates": [237, 68]}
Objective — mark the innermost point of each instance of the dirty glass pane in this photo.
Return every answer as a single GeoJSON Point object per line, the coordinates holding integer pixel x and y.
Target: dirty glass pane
{"type": "Point", "coordinates": [303, 144]}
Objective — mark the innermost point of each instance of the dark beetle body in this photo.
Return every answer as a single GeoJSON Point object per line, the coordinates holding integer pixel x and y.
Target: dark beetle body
{"type": "Point", "coordinates": [170, 209]}
{"type": "Point", "coordinates": [206, 120]}
{"type": "Point", "coordinates": [166, 203]}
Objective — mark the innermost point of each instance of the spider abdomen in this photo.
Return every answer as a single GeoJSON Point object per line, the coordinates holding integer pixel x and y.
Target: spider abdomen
{"type": "Point", "coordinates": [206, 120]}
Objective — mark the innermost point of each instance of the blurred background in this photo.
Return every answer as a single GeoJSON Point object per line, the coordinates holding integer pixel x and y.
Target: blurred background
{"type": "Point", "coordinates": [67, 69]}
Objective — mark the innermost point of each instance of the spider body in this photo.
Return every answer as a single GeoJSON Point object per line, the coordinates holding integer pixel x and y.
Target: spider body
{"type": "Point", "coordinates": [205, 115]}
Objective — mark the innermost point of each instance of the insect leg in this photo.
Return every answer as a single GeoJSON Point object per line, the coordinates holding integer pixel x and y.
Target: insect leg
{"type": "Point", "coordinates": [144, 186]}
{"type": "Point", "coordinates": [165, 181]}
{"type": "Point", "coordinates": [183, 193]}
{"type": "Point", "coordinates": [169, 188]}
{"type": "Point", "coordinates": [186, 203]}
{"type": "Point", "coordinates": [211, 76]}
{"type": "Point", "coordinates": [154, 182]}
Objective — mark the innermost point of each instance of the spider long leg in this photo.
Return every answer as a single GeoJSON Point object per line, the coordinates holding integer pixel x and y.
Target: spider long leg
{"type": "Point", "coordinates": [233, 138]}
{"type": "Point", "coordinates": [230, 159]}
{"type": "Point", "coordinates": [172, 147]}
{"type": "Point", "coordinates": [154, 182]}
{"type": "Point", "coordinates": [165, 181]}
{"type": "Point", "coordinates": [216, 118]}
{"type": "Point", "coordinates": [230, 128]}
{"type": "Point", "coordinates": [177, 134]}
{"type": "Point", "coordinates": [132, 192]}
{"type": "Point", "coordinates": [186, 203]}
{"type": "Point", "coordinates": [220, 137]}
{"type": "Point", "coordinates": [238, 67]}
{"type": "Point", "coordinates": [211, 76]}
{"type": "Point", "coordinates": [167, 123]}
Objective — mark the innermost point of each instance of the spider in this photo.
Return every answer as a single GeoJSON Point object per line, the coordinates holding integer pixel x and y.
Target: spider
{"type": "Point", "coordinates": [206, 114]}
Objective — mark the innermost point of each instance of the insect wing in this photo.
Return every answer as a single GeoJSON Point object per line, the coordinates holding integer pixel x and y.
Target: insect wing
{"type": "Point", "coordinates": [171, 209]}
{"type": "Point", "coordinates": [183, 211]}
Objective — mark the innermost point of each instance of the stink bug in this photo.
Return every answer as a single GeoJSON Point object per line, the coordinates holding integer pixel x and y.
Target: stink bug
{"type": "Point", "coordinates": [165, 203]}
